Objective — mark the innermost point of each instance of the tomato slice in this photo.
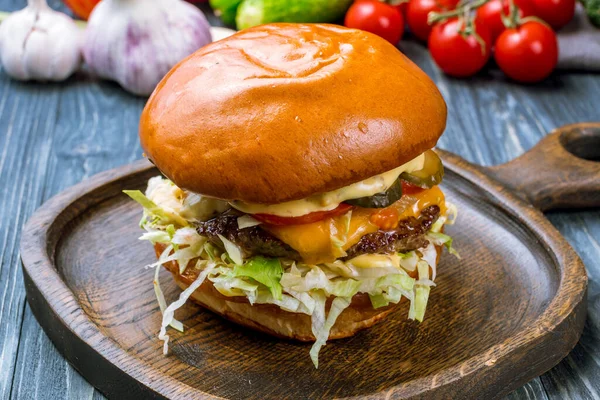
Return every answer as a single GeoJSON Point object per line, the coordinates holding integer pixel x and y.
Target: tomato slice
{"type": "Point", "coordinates": [303, 219]}
{"type": "Point", "coordinates": [409, 188]}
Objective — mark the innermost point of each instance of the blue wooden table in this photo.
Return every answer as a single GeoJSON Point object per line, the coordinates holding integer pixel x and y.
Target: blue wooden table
{"type": "Point", "coordinates": [55, 135]}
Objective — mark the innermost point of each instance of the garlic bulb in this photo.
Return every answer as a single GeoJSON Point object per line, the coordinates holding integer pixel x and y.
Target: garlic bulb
{"type": "Point", "coordinates": [38, 43]}
{"type": "Point", "coordinates": [136, 42]}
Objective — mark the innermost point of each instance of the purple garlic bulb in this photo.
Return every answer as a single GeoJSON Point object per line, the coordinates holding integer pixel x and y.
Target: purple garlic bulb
{"type": "Point", "coordinates": [136, 42]}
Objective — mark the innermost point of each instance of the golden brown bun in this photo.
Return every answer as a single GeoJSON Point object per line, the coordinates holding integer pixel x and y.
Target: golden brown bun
{"type": "Point", "coordinates": [283, 111]}
{"type": "Point", "coordinates": [270, 318]}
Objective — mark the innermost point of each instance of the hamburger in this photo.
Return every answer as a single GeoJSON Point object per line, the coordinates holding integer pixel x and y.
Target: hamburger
{"type": "Point", "coordinates": [299, 192]}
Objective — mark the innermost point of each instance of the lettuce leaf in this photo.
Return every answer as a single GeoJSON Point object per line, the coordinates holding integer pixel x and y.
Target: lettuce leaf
{"type": "Point", "coordinates": [169, 313]}
{"type": "Point", "coordinates": [338, 305]}
{"type": "Point", "coordinates": [247, 221]}
{"type": "Point", "coordinates": [233, 251]}
{"type": "Point", "coordinates": [419, 303]}
{"type": "Point", "coordinates": [267, 271]}
{"type": "Point", "coordinates": [316, 279]}
{"type": "Point", "coordinates": [156, 237]}
{"type": "Point", "coordinates": [159, 214]}
{"type": "Point", "coordinates": [439, 239]}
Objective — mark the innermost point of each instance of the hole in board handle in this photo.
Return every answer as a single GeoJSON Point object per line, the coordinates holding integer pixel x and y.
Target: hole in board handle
{"type": "Point", "coordinates": [582, 143]}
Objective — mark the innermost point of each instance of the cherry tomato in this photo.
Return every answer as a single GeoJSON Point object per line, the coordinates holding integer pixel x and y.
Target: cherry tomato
{"type": "Point", "coordinates": [82, 8]}
{"type": "Point", "coordinates": [490, 14]}
{"type": "Point", "coordinates": [376, 17]}
{"type": "Point", "coordinates": [557, 13]}
{"type": "Point", "coordinates": [527, 53]}
{"type": "Point", "coordinates": [303, 219]}
{"type": "Point", "coordinates": [457, 53]}
{"type": "Point", "coordinates": [402, 7]}
{"type": "Point", "coordinates": [417, 12]}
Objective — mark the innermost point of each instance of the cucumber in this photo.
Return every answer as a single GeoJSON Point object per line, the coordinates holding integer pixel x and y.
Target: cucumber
{"type": "Point", "coordinates": [592, 8]}
{"type": "Point", "coordinates": [226, 10]}
{"type": "Point", "coordinates": [258, 12]}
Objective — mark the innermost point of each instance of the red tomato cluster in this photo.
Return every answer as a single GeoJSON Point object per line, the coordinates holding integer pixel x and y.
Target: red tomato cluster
{"type": "Point", "coordinates": [517, 33]}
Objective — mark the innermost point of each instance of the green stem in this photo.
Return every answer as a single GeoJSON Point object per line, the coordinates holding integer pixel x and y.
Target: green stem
{"type": "Point", "coordinates": [434, 17]}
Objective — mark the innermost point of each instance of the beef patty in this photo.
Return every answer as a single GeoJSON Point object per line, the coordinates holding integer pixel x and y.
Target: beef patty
{"type": "Point", "coordinates": [407, 236]}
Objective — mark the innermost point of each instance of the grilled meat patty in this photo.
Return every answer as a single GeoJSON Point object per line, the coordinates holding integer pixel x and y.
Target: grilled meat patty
{"type": "Point", "coordinates": [253, 240]}
{"type": "Point", "coordinates": [408, 236]}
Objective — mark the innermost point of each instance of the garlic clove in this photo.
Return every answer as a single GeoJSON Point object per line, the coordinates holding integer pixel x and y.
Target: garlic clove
{"type": "Point", "coordinates": [136, 42]}
{"type": "Point", "coordinates": [38, 43]}
{"type": "Point", "coordinates": [218, 32]}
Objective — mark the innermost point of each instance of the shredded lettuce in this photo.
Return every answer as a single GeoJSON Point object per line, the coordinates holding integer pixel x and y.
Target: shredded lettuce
{"type": "Point", "coordinates": [233, 251]}
{"type": "Point", "coordinates": [160, 297]}
{"type": "Point", "coordinates": [305, 298]}
{"type": "Point", "coordinates": [338, 305]}
{"type": "Point", "coordinates": [156, 237]}
{"type": "Point", "coordinates": [247, 221]}
{"type": "Point", "coordinates": [388, 289]}
{"type": "Point", "coordinates": [408, 261]}
{"type": "Point", "coordinates": [159, 215]}
{"type": "Point", "coordinates": [210, 251]}
{"type": "Point", "coordinates": [162, 303]}
{"type": "Point", "coordinates": [316, 279]}
{"type": "Point", "coordinates": [267, 271]}
{"type": "Point", "coordinates": [439, 239]}
{"type": "Point", "coordinates": [429, 255]}
{"type": "Point", "coordinates": [378, 300]}
{"type": "Point", "coordinates": [285, 302]}
{"type": "Point", "coordinates": [419, 303]}
{"type": "Point", "coordinates": [169, 313]}
{"type": "Point", "coordinates": [318, 324]}
{"type": "Point", "coordinates": [451, 214]}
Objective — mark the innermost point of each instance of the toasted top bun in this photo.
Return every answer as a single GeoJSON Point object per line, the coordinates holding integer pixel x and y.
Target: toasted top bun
{"type": "Point", "coordinates": [283, 111]}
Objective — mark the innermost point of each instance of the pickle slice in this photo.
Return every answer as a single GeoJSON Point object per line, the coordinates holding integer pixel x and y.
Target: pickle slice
{"type": "Point", "coordinates": [380, 200]}
{"type": "Point", "coordinates": [431, 174]}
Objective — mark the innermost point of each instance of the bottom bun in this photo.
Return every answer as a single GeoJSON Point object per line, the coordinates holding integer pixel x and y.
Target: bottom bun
{"type": "Point", "coordinates": [271, 319]}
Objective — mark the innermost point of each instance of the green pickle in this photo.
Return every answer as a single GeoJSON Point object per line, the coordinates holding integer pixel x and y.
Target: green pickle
{"type": "Point", "coordinates": [380, 200]}
{"type": "Point", "coordinates": [431, 174]}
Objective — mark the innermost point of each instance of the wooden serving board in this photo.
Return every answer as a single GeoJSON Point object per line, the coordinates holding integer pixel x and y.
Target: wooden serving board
{"type": "Point", "coordinates": [508, 311]}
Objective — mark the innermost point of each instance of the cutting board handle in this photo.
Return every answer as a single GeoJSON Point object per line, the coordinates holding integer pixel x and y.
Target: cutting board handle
{"type": "Point", "coordinates": [561, 171]}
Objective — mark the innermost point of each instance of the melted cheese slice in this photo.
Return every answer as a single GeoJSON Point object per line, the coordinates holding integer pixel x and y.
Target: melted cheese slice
{"type": "Point", "coordinates": [330, 200]}
{"type": "Point", "coordinates": [314, 241]}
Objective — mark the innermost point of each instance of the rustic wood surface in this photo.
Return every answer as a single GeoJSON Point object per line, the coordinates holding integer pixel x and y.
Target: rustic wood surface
{"type": "Point", "coordinates": [53, 136]}
{"type": "Point", "coordinates": [504, 314]}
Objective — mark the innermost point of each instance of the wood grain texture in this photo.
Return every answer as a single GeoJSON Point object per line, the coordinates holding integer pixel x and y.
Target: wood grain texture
{"type": "Point", "coordinates": [512, 270]}
{"type": "Point", "coordinates": [491, 120]}
{"type": "Point", "coordinates": [561, 171]}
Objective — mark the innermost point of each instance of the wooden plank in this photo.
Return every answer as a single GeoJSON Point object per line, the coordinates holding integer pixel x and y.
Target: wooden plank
{"type": "Point", "coordinates": [42, 373]}
{"type": "Point", "coordinates": [95, 129]}
{"type": "Point", "coordinates": [21, 193]}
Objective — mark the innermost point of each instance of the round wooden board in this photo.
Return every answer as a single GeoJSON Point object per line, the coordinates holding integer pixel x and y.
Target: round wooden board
{"type": "Point", "coordinates": [508, 311]}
